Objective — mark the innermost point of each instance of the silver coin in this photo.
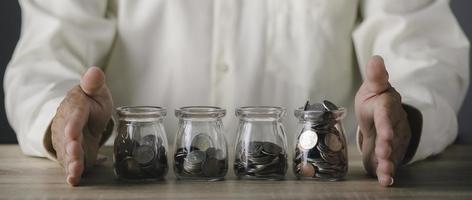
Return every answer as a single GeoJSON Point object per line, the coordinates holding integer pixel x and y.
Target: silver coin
{"type": "Point", "coordinates": [149, 140]}
{"type": "Point", "coordinates": [196, 157]}
{"type": "Point", "coordinates": [317, 107]}
{"type": "Point", "coordinates": [220, 155]}
{"type": "Point", "coordinates": [329, 105]}
{"type": "Point", "coordinates": [307, 105]}
{"type": "Point", "coordinates": [202, 141]}
{"type": "Point", "coordinates": [144, 154]}
{"type": "Point", "coordinates": [308, 139]}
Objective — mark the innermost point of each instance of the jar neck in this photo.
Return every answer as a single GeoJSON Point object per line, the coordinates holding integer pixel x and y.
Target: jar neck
{"type": "Point", "coordinates": [200, 113]}
{"type": "Point", "coordinates": [141, 113]}
{"type": "Point", "coordinates": [319, 116]}
{"type": "Point", "coordinates": [260, 113]}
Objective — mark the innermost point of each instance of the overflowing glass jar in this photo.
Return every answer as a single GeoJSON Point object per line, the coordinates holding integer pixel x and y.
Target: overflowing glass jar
{"type": "Point", "coordinates": [320, 150]}
{"type": "Point", "coordinates": [261, 145]}
{"type": "Point", "coordinates": [140, 148]}
{"type": "Point", "coordinates": [201, 151]}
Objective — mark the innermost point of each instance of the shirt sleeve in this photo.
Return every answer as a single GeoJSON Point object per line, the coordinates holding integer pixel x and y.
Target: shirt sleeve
{"type": "Point", "coordinates": [426, 54]}
{"type": "Point", "coordinates": [59, 40]}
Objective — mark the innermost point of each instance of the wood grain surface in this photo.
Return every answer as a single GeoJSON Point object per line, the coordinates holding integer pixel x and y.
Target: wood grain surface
{"type": "Point", "coordinates": [446, 176]}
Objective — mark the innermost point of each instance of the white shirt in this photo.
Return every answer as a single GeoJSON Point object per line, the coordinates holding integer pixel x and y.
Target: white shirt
{"type": "Point", "coordinates": [233, 53]}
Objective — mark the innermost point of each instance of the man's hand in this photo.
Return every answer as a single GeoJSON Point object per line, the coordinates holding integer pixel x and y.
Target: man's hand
{"type": "Point", "coordinates": [384, 129]}
{"type": "Point", "coordinates": [79, 122]}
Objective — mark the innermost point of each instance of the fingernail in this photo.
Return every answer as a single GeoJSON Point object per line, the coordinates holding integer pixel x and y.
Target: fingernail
{"type": "Point", "coordinates": [69, 180]}
{"type": "Point", "coordinates": [391, 181]}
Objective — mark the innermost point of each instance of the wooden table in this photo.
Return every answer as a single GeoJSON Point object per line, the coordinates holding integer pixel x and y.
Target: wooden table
{"type": "Point", "coordinates": [444, 176]}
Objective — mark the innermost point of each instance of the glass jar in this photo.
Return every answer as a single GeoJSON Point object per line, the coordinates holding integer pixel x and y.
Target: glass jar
{"type": "Point", "coordinates": [140, 149]}
{"type": "Point", "coordinates": [260, 151]}
{"type": "Point", "coordinates": [201, 152]}
{"type": "Point", "coordinates": [320, 150]}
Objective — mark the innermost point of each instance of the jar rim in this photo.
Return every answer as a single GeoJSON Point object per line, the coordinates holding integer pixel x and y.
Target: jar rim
{"type": "Point", "coordinates": [260, 111]}
{"type": "Point", "coordinates": [200, 112]}
{"type": "Point", "coordinates": [301, 114]}
{"type": "Point", "coordinates": [141, 111]}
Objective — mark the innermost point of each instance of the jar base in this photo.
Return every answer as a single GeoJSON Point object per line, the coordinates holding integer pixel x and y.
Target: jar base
{"type": "Point", "coordinates": [255, 178]}
{"type": "Point", "coordinates": [321, 179]}
{"type": "Point", "coordinates": [141, 180]}
{"type": "Point", "coordinates": [202, 179]}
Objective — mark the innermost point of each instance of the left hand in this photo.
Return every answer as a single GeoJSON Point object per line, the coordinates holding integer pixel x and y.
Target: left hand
{"type": "Point", "coordinates": [384, 129]}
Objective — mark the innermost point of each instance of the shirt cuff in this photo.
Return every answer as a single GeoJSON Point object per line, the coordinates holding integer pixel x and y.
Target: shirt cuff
{"type": "Point", "coordinates": [35, 138]}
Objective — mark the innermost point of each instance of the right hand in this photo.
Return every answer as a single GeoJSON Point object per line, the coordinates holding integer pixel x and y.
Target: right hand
{"type": "Point", "coordinates": [79, 123]}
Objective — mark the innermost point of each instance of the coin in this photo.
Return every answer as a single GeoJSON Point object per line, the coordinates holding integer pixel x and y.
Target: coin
{"type": "Point", "coordinates": [307, 105]}
{"type": "Point", "coordinates": [307, 169]}
{"type": "Point", "coordinates": [317, 107]}
{"type": "Point", "coordinates": [149, 140]}
{"type": "Point", "coordinates": [264, 159]}
{"type": "Point", "coordinates": [215, 153]}
{"type": "Point", "coordinates": [144, 154]}
{"type": "Point", "coordinates": [333, 142]}
{"type": "Point", "coordinates": [196, 157]}
{"type": "Point", "coordinates": [211, 167]}
{"type": "Point", "coordinates": [271, 148]}
{"type": "Point", "coordinates": [202, 141]}
{"type": "Point", "coordinates": [129, 165]}
{"type": "Point", "coordinates": [308, 139]}
{"type": "Point", "coordinates": [329, 105]}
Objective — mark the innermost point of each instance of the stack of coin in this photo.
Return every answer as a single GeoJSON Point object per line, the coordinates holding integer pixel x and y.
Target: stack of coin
{"type": "Point", "coordinates": [261, 160]}
{"type": "Point", "coordinates": [201, 160]}
{"type": "Point", "coordinates": [140, 160]}
{"type": "Point", "coordinates": [321, 149]}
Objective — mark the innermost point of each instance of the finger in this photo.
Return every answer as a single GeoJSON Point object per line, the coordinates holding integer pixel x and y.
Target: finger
{"type": "Point", "coordinates": [383, 124]}
{"type": "Point", "coordinates": [92, 81]}
{"type": "Point", "coordinates": [93, 85]}
{"type": "Point", "coordinates": [74, 151]}
{"type": "Point", "coordinates": [75, 171]}
{"type": "Point", "coordinates": [376, 76]}
{"type": "Point", "coordinates": [75, 163]}
{"type": "Point", "coordinates": [383, 149]}
{"type": "Point", "coordinates": [385, 180]}
{"type": "Point", "coordinates": [76, 122]}
{"type": "Point", "coordinates": [385, 170]}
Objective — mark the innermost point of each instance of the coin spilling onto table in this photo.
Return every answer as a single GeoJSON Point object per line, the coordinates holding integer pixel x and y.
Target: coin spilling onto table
{"type": "Point", "coordinates": [321, 150]}
{"type": "Point", "coordinates": [140, 160]}
{"type": "Point", "coordinates": [261, 159]}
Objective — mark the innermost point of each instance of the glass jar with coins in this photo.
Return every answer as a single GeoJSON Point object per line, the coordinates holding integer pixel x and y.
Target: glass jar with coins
{"type": "Point", "coordinates": [201, 152]}
{"type": "Point", "coordinates": [261, 145]}
{"type": "Point", "coordinates": [320, 150]}
{"type": "Point", "coordinates": [140, 148]}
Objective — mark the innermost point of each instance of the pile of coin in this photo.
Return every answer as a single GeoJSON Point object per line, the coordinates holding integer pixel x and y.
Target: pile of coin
{"type": "Point", "coordinates": [140, 160]}
{"type": "Point", "coordinates": [261, 159]}
{"type": "Point", "coordinates": [321, 150]}
{"type": "Point", "coordinates": [201, 160]}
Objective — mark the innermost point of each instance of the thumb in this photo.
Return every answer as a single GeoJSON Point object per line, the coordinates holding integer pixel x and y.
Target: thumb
{"type": "Point", "coordinates": [93, 85]}
{"type": "Point", "coordinates": [376, 75]}
{"type": "Point", "coordinates": [93, 81]}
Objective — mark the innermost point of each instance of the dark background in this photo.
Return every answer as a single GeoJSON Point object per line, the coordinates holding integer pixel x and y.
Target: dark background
{"type": "Point", "coordinates": [10, 22]}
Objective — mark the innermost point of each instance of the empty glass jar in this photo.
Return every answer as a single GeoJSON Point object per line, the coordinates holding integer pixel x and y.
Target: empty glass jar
{"type": "Point", "coordinates": [140, 149]}
{"type": "Point", "coordinates": [200, 146]}
{"type": "Point", "coordinates": [320, 150]}
{"type": "Point", "coordinates": [261, 143]}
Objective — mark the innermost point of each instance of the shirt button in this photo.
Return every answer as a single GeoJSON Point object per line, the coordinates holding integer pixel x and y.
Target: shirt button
{"type": "Point", "coordinates": [223, 67]}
